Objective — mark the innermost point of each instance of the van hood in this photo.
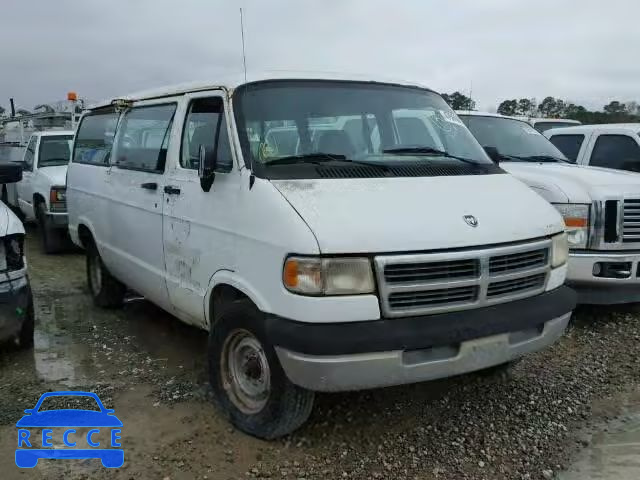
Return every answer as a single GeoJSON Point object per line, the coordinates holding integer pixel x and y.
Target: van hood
{"type": "Point", "coordinates": [421, 213]}
{"type": "Point", "coordinates": [9, 223]}
{"type": "Point", "coordinates": [56, 176]}
{"type": "Point", "coordinates": [567, 183]}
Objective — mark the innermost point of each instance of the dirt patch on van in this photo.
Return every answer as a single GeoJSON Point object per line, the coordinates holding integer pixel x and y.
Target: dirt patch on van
{"type": "Point", "coordinates": [151, 369]}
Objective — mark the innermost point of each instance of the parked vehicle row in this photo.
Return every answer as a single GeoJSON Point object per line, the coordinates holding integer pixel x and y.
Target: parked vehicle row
{"type": "Point", "coordinates": [333, 234]}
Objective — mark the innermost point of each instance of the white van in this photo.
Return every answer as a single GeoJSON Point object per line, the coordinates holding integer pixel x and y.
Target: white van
{"type": "Point", "coordinates": [16, 302]}
{"type": "Point", "coordinates": [360, 261]}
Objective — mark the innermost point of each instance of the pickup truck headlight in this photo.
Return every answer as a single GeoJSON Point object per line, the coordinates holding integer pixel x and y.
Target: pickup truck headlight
{"type": "Point", "coordinates": [576, 220]}
{"type": "Point", "coordinates": [559, 250]}
{"type": "Point", "coordinates": [328, 276]}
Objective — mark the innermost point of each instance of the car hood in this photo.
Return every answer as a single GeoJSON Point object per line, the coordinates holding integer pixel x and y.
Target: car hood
{"type": "Point", "coordinates": [57, 175]}
{"type": "Point", "coordinates": [417, 214]}
{"type": "Point", "coordinates": [9, 223]}
{"type": "Point", "coordinates": [562, 182]}
{"type": "Point", "coordinates": [69, 418]}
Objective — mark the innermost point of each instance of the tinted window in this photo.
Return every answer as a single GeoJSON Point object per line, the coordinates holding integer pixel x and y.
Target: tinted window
{"type": "Point", "coordinates": [358, 121]}
{"type": "Point", "coordinates": [616, 151]}
{"type": "Point", "coordinates": [94, 138]}
{"type": "Point", "coordinates": [205, 117]}
{"type": "Point", "coordinates": [512, 138]}
{"type": "Point", "coordinates": [144, 137]}
{"type": "Point", "coordinates": [30, 154]}
{"type": "Point", "coordinates": [54, 150]}
{"type": "Point", "coordinates": [568, 144]}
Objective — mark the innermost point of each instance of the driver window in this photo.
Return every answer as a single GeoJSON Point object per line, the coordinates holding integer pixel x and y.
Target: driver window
{"type": "Point", "coordinates": [30, 154]}
{"type": "Point", "coordinates": [200, 128]}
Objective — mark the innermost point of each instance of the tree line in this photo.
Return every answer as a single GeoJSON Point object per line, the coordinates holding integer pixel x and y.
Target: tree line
{"type": "Point", "coordinates": [550, 107]}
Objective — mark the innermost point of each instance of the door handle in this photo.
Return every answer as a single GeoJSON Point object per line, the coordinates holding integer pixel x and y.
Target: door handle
{"type": "Point", "coordinates": [149, 186]}
{"type": "Point", "coordinates": [171, 190]}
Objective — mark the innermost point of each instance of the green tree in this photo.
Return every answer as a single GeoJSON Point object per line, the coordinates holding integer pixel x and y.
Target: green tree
{"type": "Point", "coordinates": [2, 110]}
{"type": "Point", "coordinates": [459, 101]}
{"type": "Point", "coordinates": [526, 107]}
{"type": "Point", "coordinates": [615, 107]}
{"type": "Point", "coordinates": [508, 107]}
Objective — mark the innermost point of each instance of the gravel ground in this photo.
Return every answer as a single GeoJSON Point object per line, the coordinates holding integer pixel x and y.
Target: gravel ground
{"type": "Point", "coordinates": [151, 369]}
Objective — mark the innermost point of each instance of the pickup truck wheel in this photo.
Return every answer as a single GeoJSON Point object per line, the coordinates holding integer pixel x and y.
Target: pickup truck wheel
{"type": "Point", "coordinates": [247, 379]}
{"type": "Point", "coordinates": [52, 239]}
{"type": "Point", "coordinates": [25, 337]}
{"type": "Point", "coordinates": [107, 291]}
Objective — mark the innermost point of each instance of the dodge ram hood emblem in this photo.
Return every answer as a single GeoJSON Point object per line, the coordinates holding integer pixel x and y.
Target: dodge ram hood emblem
{"type": "Point", "coordinates": [471, 220]}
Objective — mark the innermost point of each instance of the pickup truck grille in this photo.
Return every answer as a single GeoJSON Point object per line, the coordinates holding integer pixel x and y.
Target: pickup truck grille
{"type": "Point", "coordinates": [419, 284]}
{"type": "Point", "coordinates": [631, 221]}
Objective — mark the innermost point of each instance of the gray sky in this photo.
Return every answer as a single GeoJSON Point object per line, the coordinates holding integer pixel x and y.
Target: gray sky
{"type": "Point", "coordinates": [585, 51]}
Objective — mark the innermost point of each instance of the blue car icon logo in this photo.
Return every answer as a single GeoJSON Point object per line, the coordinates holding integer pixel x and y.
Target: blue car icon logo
{"type": "Point", "coordinates": [33, 445]}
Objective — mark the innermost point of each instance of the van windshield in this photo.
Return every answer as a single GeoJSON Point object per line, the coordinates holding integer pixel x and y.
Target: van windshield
{"type": "Point", "coordinates": [54, 150]}
{"type": "Point", "coordinates": [285, 124]}
{"type": "Point", "coordinates": [514, 139]}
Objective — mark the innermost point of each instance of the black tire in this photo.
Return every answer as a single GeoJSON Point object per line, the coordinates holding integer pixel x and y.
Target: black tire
{"type": "Point", "coordinates": [106, 290]}
{"type": "Point", "coordinates": [52, 239]}
{"type": "Point", "coordinates": [286, 406]}
{"type": "Point", "coordinates": [25, 336]}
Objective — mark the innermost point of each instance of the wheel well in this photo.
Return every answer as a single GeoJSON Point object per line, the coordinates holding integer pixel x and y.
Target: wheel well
{"type": "Point", "coordinates": [223, 293]}
{"type": "Point", "coordinates": [85, 236]}
{"type": "Point", "coordinates": [37, 198]}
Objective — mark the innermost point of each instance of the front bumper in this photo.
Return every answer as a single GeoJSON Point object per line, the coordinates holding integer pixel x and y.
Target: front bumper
{"type": "Point", "coordinates": [15, 297]}
{"type": "Point", "coordinates": [605, 278]}
{"type": "Point", "coordinates": [362, 355]}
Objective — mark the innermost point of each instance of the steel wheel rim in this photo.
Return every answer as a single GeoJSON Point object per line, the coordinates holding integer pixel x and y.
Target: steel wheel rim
{"type": "Point", "coordinates": [245, 372]}
{"type": "Point", "coordinates": [95, 274]}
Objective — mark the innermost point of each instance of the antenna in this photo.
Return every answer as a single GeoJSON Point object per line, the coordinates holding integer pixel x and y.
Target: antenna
{"type": "Point", "coordinates": [244, 56]}
{"type": "Point", "coordinates": [471, 95]}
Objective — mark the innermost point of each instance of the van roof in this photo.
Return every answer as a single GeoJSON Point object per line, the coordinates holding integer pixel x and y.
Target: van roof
{"type": "Point", "coordinates": [473, 113]}
{"type": "Point", "coordinates": [632, 127]}
{"type": "Point", "coordinates": [231, 82]}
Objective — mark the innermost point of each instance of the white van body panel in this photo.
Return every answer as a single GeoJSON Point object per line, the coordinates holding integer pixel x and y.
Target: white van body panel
{"type": "Point", "coordinates": [370, 215]}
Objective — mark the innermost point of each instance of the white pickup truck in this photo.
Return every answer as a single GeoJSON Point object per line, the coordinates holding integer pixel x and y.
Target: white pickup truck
{"type": "Point", "coordinates": [601, 206]}
{"type": "Point", "coordinates": [16, 302]}
{"type": "Point", "coordinates": [41, 194]}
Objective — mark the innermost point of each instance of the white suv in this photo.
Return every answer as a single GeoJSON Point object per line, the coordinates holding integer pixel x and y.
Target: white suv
{"type": "Point", "coordinates": [359, 261]}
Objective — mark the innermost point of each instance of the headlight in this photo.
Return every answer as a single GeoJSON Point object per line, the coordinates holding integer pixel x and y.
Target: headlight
{"type": "Point", "coordinates": [576, 220]}
{"type": "Point", "coordinates": [12, 249]}
{"type": "Point", "coordinates": [328, 276]}
{"type": "Point", "coordinates": [559, 250]}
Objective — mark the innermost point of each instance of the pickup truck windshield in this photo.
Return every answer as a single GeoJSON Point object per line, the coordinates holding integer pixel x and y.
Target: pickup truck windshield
{"type": "Point", "coordinates": [286, 124]}
{"type": "Point", "coordinates": [515, 140]}
{"type": "Point", "coordinates": [54, 150]}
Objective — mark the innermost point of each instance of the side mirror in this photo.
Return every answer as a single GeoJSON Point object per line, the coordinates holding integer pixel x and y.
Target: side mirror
{"type": "Point", "coordinates": [206, 167]}
{"type": "Point", "coordinates": [493, 153]}
{"type": "Point", "coordinates": [10, 173]}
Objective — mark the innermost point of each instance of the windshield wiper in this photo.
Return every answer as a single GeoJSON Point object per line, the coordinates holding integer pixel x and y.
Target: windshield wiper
{"type": "Point", "coordinates": [319, 158]}
{"type": "Point", "coordinates": [428, 151]}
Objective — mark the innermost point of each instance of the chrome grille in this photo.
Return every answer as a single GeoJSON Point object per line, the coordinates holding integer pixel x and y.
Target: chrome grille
{"type": "Point", "coordinates": [631, 221]}
{"type": "Point", "coordinates": [418, 284]}
{"type": "Point", "coordinates": [429, 271]}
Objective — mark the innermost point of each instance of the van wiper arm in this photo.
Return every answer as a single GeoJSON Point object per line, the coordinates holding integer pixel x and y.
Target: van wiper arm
{"type": "Point", "coordinates": [319, 158]}
{"type": "Point", "coordinates": [428, 151]}
{"type": "Point", "coordinates": [544, 158]}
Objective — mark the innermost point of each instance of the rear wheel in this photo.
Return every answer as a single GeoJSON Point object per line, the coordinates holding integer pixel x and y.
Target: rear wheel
{"type": "Point", "coordinates": [106, 290]}
{"type": "Point", "coordinates": [247, 379]}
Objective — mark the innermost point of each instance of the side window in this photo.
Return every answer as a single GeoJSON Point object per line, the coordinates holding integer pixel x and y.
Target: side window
{"type": "Point", "coordinates": [94, 138]}
{"type": "Point", "coordinates": [30, 154]}
{"type": "Point", "coordinates": [205, 125]}
{"type": "Point", "coordinates": [143, 138]}
{"type": "Point", "coordinates": [616, 151]}
{"type": "Point", "coordinates": [568, 144]}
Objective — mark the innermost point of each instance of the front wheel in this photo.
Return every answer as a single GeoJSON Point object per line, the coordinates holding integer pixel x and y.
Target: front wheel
{"type": "Point", "coordinates": [52, 239]}
{"type": "Point", "coordinates": [25, 337]}
{"type": "Point", "coordinates": [106, 290]}
{"type": "Point", "coordinates": [247, 379]}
